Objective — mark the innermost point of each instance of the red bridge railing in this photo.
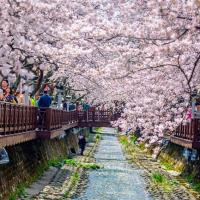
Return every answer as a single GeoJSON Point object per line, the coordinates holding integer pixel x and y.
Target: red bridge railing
{"type": "Point", "coordinates": [188, 135]}
{"type": "Point", "coordinates": [17, 118]}
{"type": "Point", "coordinates": [51, 119]}
{"type": "Point", "coordinates": [19, 123]}
{"type": "Point", "coordinates": [21, 119]}
{"type": "Point", "coordinates": [95, 116]}
{"type": "Point", "coordinates": [189, 131]}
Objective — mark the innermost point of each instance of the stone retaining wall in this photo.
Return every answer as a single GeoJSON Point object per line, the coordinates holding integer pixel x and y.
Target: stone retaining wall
{"type": "Point", "coordinates": [28, 160]}
{"type": "Point", "coordinates": [183, 160]}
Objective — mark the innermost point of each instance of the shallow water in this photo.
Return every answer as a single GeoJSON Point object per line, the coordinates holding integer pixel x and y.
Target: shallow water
{"type": "Point", "coordinates": [117, 180]}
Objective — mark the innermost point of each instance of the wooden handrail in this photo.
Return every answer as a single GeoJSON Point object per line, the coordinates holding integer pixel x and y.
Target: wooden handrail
{"type": "Point", "coordinates": [189, 131]}
{"type": "Point", "coordinates": [16, 118]}
{"type": "Point", "coordinates": [19, 118]}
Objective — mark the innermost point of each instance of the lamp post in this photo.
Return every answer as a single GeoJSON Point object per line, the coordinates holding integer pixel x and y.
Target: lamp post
{"type": "Point", "coordinates": [12, 79]}
{"type": "Point", "coordinates": [59, 92]}
{"type": "Point", "coordinates": [68, 98]}
{"type": "Point", "coordinates": [193, 95]}
{"type": "Point", "coordinates": [26, 95]}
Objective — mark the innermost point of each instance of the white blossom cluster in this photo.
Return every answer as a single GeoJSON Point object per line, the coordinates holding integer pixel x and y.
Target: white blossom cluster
{"type": "Point", "coordinates": [145, 54]}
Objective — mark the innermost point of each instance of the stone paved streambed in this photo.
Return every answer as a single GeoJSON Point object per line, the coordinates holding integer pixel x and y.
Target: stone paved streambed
{"type": "Point", "coordinates": [118, 180]}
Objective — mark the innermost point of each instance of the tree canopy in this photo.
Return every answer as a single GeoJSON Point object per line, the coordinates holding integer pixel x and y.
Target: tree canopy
{"type": "Point", "coordinates": [145, 54]}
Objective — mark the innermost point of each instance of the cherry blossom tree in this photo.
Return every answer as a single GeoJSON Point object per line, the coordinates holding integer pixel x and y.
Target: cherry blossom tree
{"type": "Point", "coordinates": [144, 54]}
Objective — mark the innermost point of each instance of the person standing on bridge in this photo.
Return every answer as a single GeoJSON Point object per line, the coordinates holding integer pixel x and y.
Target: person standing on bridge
{"type": "Point", "coordinates": [43, 103]}
{"type": "Point", "coordinates": [45, 100]}
{"type": "Point", "coordinates": [82, 143]}
{"type": "Point", "coordinates": [4, 85]}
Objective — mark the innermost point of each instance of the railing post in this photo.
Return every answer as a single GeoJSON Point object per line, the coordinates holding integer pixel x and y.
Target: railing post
{"type": "Point", "coordinates": [47, 119]}
{"type": "Point", "coordinates": [70, 120]}
{"type": "Point", "coordinates": [93, 115]}
{"type": "Point", "coordinates": [98, 116]}
{"type": "Point", "coordinates": [4, 118]}
{"type": "Point", "coordinates": [87, 112]}
{"type": "Point", "coordinates": [14, 118]}
{"type": "Point", "coordinates": [62, 117]}
{"type": "Point", "coordinates": [67, 117]}
{"type": "Point", "coordinates": [26, 117]}
{"type": "Point", "coordinates": [77, 116]}
{"type": "Point", "coordinates": [85, 116]}
{"type": "Point", "coordinates": [18, 118]}
{"type": "Point", "coordinates": [9, 115]}
{"type": "Point", "coordinates": [195, 130]}
{"type": "Point", "coordinates": [193, 107]}
{"type": "Point", "coordinates": [35, 117]}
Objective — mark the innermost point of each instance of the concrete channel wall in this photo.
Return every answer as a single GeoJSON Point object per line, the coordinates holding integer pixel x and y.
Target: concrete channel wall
{"type": "Point", "coordinates": [186, 161]}
{"type": "Point", "coordinates": [28, 160]}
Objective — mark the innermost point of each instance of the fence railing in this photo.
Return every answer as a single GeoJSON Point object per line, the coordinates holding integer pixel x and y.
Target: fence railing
{"type": "Point", "coordinates": [94, 116]}
{"type": "Point", "coordinates": [19, 118]}
{"type": "Point", "coordinates": [16, 119]}
{"type": "Point", "coordinates": [51, 119]}
{"type": "Point", "coordinates": [69, 117]}
{"type": "Point", "coordinates": [189, 131]}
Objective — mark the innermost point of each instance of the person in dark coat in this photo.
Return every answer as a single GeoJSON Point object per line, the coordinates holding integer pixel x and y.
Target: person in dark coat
{"type": "Point", "coordinates": [138, 132]}
{"type": "Point", "coordinates": [43, 103]}
{"type": "Point", "coordinates": [82, 143]}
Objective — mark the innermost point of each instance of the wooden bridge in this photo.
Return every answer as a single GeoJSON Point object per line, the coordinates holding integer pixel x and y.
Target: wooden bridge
{"type": "Point", "coordinates": [19, 123]}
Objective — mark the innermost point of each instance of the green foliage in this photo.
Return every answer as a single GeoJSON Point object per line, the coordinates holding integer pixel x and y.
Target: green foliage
{"type": "Point", "coordinates": [89, 165]}
{"type": "Point", "coordinates": [66, 195]}
{"type": "Point", "coordinates": [19, 192]}
{"type": "Point", "coordinates": [57, 162]}
{"type": "Point", "coordinates": [133, 139]}
{"type": "Point", "coordinates": [74, 178]}
{"type": "Point", "coordinates": [142, 145]}
{"type": "Point", "coordinates": [158, 178]}
{"type": "Point", "coordinates": [196, 187]}
{"type": "Point", "coordinates": [193, 183]}
{"type": "Point", "coordinates": [20, 189]}
{"type": "Point", "coordinates": [71, 162]}
{"type": "Point", "coordinates": [74, 163]}
{"type": "Point", "coordinates": [162, 181]}
{"type": "Point", "coordinates": [123, 139]}
{"type": "Point", "coordinates": [190, 178]}
{"type": "Point", "coordinates": [39, 171]}
{"type": "Point", "coordinates": [98, 130]}
{"type": "Point", "coordinates": [12, 196]}
{"type": "Point", "coordinates": [166, 165]}
{"type": "Point", "coordinates": [98, 136]}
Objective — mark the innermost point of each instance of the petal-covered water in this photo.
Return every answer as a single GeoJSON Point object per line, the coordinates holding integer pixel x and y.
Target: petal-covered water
{"type": "Point", "coordinates": [117, 180]}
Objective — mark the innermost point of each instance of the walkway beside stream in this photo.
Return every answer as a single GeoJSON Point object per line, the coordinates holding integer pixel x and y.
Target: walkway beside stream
{"type": "Point", "coordinates": [118, 180]}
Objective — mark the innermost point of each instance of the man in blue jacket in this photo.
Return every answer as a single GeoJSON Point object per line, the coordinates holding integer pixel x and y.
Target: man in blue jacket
{"type": "Point", "coordinates": [43, 103]}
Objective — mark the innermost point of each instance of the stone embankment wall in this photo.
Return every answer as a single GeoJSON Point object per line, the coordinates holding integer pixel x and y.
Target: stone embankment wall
{"type": "Point", "coordinates": [186, 161]}
{"type": "Point", "coordinates": [29, 160]}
